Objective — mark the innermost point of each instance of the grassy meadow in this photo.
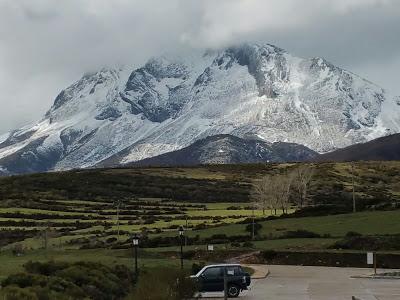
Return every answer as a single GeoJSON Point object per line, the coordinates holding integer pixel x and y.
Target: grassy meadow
{"type": "Point", "coordinates": [91, 214]}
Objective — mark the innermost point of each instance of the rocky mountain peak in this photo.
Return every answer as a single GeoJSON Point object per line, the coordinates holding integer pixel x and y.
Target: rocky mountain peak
{"type": "Point", "coordinates": [118, 116]}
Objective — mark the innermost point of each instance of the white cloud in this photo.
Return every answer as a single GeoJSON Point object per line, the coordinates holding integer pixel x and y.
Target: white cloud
{"type": "Point", "coordinates": [46, 44]}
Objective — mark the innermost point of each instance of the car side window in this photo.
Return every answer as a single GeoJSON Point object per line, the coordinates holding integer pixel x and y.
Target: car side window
{"type": "Point", "coordinates": [230, 271]}
{"type": "Point", "coordinates": [234, 270]}
{"type": "Point", "coordinates": [212, 272]}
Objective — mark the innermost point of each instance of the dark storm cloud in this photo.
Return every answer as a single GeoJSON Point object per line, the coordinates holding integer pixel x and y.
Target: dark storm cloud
{"type": "Point", "coordinates": [47, 44]}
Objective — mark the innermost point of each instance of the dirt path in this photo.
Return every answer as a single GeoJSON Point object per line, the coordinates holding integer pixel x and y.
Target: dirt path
{"type": "Point", "coordinates": [260, 271]}
{"type": "Point", "coordinates": [244, 258]}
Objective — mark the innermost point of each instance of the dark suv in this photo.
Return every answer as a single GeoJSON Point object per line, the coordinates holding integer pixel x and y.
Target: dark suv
{"type": "Point", "coordinates": [211, 279]}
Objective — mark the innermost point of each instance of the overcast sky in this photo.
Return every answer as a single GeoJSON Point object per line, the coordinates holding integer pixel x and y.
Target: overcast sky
{"type": "Point", "coordinates": [45, 45]}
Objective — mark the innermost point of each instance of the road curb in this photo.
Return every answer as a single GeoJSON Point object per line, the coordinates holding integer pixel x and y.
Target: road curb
{"type": "Point", "coordinates": [375, 277]}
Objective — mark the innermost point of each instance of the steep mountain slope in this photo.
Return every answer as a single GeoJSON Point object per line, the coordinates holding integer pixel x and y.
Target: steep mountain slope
{"type": "Point", "coordinates": [384, 148]}
{"type": "Point", "coordinates": [228, 149]}
{"type": "Point", "coordinates": [117, 116]}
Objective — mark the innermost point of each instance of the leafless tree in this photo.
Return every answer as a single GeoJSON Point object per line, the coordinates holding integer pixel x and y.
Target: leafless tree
{"type": "Point", "coordinates": [46, 235]}
{"type": "Point", "coordinates": [118, 204]}
{"type": "Point", "coordinates": [282, 190]}
{"type": "Point", "coordinates": [262, 194]}
{"type": "Point", "coordinates": [301, 180]}
{"type": "Point", "coordinates": [272, 192]}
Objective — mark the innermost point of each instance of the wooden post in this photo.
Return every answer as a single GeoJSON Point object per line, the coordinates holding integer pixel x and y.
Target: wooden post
{"type": "Point", "coordinates": [46, 242]}
{"type": "Point", "coordinates": [136, 262]}
{"type": "Point", "coordinates": [186, 229]}
{"type": "Point", "coordinates": [252, 225]}
{"type": "Point", "coordinates": [118, 220]}
{"type": "Point", "coordinates": [352, 182]}
{"type": "Point", "coordinates": [375, 263]}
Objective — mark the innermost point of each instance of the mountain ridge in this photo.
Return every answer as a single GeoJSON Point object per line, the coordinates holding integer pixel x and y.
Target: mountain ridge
{"type": "Point", "coordinates": [380, 149]}
{"type": "Point", "coordinates": [228, 149]}
{"type": "Point", "coordinates": [121, 115]}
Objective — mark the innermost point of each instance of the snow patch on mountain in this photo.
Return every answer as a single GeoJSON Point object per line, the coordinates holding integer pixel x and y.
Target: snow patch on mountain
{"type": "Point", "coordinates": [4, 137]}
{"type": "Point", "coordinates": [119, 115]}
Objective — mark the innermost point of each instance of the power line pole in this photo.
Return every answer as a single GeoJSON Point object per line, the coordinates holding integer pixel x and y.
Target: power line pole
{"type": "Point", "coordinates": [252, 225]}
{"type": "Point", "coordinates": [186, 228]}
{"type": "Point", "coordinates": [352, 182]}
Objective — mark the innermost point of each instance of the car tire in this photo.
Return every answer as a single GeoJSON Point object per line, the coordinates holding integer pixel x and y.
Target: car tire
{"type": "Point", "coordinates": [233, 291]}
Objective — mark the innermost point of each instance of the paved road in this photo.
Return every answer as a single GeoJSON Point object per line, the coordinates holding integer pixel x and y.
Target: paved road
{"type": "Point", "coordinates": [319, 283]}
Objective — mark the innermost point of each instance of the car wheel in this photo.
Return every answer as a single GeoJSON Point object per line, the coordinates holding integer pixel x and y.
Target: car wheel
{"type": "Point", "coordinates": [233, 291]}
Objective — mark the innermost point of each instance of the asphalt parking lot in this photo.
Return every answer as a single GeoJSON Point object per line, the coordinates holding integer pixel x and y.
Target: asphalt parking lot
{"type": "Point", "coordinates": [318, 283]}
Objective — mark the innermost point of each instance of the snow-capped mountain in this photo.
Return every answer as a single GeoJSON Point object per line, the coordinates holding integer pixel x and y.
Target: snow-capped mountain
{"type": "Point", "coordinates": [117, 116]}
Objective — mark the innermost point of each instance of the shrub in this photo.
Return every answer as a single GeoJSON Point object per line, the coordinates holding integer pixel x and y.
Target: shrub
{"type": "Point", "coordinates": [300, 234]}
{"type": "Point", "coordinates": [257, 227]}
{"type": "Point", "coordinates": [17, 293]}
{"type": "Point", "coordinates": [352, 234]}
{"type": "Point", "coordinates": [81, 280]}
{"type": "Point", "coordinates": [45, 268]}
{"type": "Point", "coordinates": [189, 254]}
{"type": "Point", "coordinates": [269, 254]}
{"type": "Point", "coordinates": [172, 284]}
{"type": "Point", "coordinates": [111, 240]}
{"type": "Point", "coordinates": [248, 245]}
{"type": "Point", "coordinates": [369, 243]}
{"type": "Point", "coordinates": [23, 280]}
{"type": "Point", "coordinates": [18, 250]}
{"type": "Point", "coordinates": [234, 208]}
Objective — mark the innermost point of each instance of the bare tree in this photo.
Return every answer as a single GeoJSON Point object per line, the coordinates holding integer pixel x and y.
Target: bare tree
{"type": "Point", "coordinates": [282, 190]}
{"type": "Point", "coordinates": [261, 193]}
{"type": "Point", "coordinates": [118, 204]}
{"type": "Point", "coordinates": [46, 234]}
{"type": "Point", "coordinates": [301, 180]}
{"type": "Point", "coordinates": [272, 192]}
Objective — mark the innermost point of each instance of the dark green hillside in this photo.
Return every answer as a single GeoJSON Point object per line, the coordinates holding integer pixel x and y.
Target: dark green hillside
{"type": "Point", "coordinates": [375, 182]}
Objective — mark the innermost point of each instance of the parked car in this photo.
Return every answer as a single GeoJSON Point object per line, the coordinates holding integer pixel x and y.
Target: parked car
{"type": "Point", "coordinates": [211, 279]}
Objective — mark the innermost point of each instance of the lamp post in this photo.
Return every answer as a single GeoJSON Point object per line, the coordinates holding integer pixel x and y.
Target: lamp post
{"type": "Point", "coordinates": [181, 235]}
{"type": "Point", "coordinates": [135, 241]}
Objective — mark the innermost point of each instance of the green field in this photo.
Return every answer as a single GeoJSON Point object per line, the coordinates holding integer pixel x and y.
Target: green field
{"type": "Point", "coordinates": [74, 214]}
{"type": "Point", "coordinates": [367, 223]}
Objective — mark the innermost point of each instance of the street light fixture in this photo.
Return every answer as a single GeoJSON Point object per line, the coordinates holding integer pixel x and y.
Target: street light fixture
{"type": "Point", "coordinates": [135, 241]}
{"type": "Point", "coordinates": [181, 235]}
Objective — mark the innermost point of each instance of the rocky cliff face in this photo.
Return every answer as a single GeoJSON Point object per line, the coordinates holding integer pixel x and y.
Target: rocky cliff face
{"type": "Point", "coordinates": [118, 116]}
